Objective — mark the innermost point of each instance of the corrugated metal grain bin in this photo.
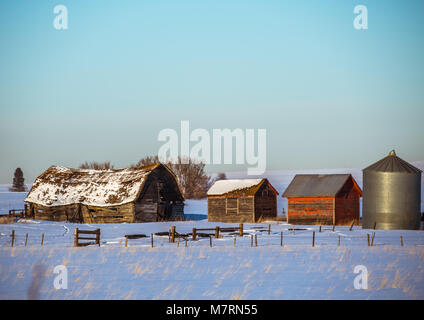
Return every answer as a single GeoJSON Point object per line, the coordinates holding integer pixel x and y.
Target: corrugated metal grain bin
{"type": "Point", "coordinates": [391, 194]}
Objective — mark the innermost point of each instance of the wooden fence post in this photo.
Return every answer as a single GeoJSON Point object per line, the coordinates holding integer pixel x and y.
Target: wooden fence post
{"type": "Point", "coordinates": [235, 242]}
{"type": "Point", "coordinates": [372, 239]}
{"type": "Point", "coordinates": [351, 226]}
{"type": "Point", "coordinates": [313, 238]}
{"type": "Point", "coordinates": [26, 239]}
{"type": "Point", "coordinates": [251, 240]}
{"type": "Point", "coordinates": [334, 227]}
{"type": "Point", "coordinates": [241, 230]}
{"type": "Point", "coordinates": [76, 237]}
{"type": "Point", "coordinates": [173, 234]}
{"type": "Point", "coordinates": [269, 229]}
{"type": "Point", "coordinates": [319, 228]}
{"type": "Point", "coordinates": [210, 241]}
{"type": "Point", "coordinates": [338, 242]}
{"type": "Point", "coordinates": [178, 242]}
{"type": "Point", "coordinates": [401, 241]}
{"type": "Point", "coordinates": [126, 241]}
{"type": "Point", "coordinates": [375, 225]}
{"type": "Point", "coordinates": [281, 242]}
{"type": "Point", "coordinates": [368, 239]}
{"type": "Point", "coordinates": [42, 239]}
{"type": "Point", "coordinates": [194, 234]}
{"type": "Point", "coordinates": [256, 240]}
{"type": "Point", "coordinates": [151, 235]}
{"type": "Point", "coordinates": [98, 237]}
{"type": "Point", "coordinates": [216, 232]}
{"type": "Point", "coordinates": [13, 238]}
{"type": "Point", "coordinates": [185, 241]}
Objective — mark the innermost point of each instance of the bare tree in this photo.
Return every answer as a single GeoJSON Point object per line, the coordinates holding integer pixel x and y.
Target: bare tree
{"type": "Point", "coordinates": [221, 176]}
{"type": "Point", "coordinates": [146, 161]}
{"type": "Point", "coordinates": [191, 175]}
{"type": "Point", "coordinates": [97, 165]}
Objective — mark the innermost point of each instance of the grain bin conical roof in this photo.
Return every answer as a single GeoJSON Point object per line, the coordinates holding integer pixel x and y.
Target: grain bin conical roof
{"type": "Point", "coordinates": [392, 163]}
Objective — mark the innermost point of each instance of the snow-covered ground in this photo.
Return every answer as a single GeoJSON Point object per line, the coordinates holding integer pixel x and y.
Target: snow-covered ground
{"type": "Point", "coordinates": [10, 200]}
{"type": "Point", "coordinates": [168, 271]}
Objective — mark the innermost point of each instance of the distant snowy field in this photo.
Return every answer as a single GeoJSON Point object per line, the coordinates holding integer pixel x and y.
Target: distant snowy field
{"type": "Point", "coordinates": [10, 200]}
{"type": "Point", "coordinates": [295, 271]}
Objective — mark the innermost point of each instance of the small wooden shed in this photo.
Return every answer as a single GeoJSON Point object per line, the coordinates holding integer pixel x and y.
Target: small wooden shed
{"type": "Point", "coordinates": [323, 199]}
{"type": "Point", "coordinates": [143, 194]}
{"type": "Point", "coordinates": [248, 200]}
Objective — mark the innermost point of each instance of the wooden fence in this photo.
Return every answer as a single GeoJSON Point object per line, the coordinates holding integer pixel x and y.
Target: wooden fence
{"type": "Point", "coordinates": [173, 234]}
{"type": "Point", "coordinates": [91, 240]}
{"type": "Point", "coordinates": [15, 213]}
{"type": "Point", "coordinates": [93, 237]}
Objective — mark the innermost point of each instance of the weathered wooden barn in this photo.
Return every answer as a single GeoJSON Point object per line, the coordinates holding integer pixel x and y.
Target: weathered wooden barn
{"type": "Point", "coordinates": [248, 200]}
{"type": "Point", "coordinates": [143, 194]}
{"type": "Point", "coordinates": [323, 199]}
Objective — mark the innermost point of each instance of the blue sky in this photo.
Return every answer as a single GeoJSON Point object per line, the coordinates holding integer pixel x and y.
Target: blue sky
{"type": "Point", "coordinates": [329, 95]}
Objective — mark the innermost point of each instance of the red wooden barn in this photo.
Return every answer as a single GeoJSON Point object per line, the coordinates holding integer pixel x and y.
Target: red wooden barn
{"type": "Point", "coordinates": [323, 199]}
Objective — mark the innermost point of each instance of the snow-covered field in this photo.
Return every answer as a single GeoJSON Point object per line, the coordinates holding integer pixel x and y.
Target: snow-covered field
{"type": "Point", "coordinates": [10, 200]}
{"type": "Point", "coordinates": [168, 271]}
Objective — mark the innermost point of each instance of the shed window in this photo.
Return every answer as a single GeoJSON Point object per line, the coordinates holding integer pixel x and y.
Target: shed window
{"type": "Point", "coordinates": [232, 205]}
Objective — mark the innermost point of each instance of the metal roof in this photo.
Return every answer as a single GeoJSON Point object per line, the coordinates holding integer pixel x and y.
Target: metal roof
{"type": "Point", "coordinates": [392, 163]}
{"type": "Point", "coordinates": [319, 185]}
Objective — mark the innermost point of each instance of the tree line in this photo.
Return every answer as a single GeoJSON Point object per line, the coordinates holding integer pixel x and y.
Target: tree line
{"type": "Point", "coordinates": [191, 174]}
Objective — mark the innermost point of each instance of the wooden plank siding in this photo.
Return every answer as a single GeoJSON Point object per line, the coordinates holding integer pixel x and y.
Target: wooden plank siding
{"type": "Point", "coordinates": [347, 204]}
{"type": "Point", "coordinates": [222, 209]}
{"type": "Point", "coordinates": [310, 210]}
{"type": "Point", "coordinates": [265, 203]}
{"type": "Point", "coordinates": [113, 214]}
{"type": "Point", "coordinates": [159, 200]}
{"type": "Point", "coordinates": [70, 212]}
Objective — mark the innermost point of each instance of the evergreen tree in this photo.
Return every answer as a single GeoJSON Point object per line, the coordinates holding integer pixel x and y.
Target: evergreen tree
{"type": "Point", "coordinates": [18, 181]}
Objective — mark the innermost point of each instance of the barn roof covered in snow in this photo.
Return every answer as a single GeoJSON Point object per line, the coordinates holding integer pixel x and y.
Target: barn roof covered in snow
{"type": "Point", "coordinates": [246, 187]}
{"type": "Point", "coordinates": [317, 185]}
{"type": "Point", "coordinates": [59, 186]}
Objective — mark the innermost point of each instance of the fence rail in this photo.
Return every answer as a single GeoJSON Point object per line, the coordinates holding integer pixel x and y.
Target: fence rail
{"type": "Point", "coordinates": [14, 213]}
{"type": "Point", "coordinates": [94, 240]}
